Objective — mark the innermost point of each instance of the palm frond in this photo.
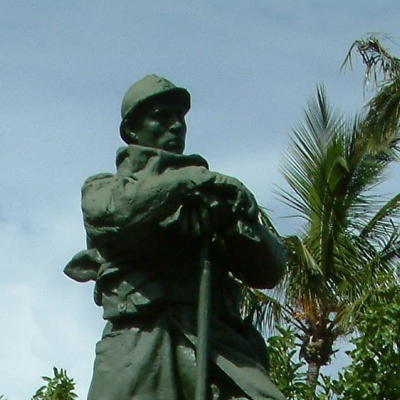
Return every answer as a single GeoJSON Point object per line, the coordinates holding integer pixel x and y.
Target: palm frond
{"type": "Point", "coordinates": [349, 314]}
{"type": "Point", "coordinates": [383, 71]}
{"type": "Point", "coordinates": [381, 221]}
{"type": "Point", "coordinates": [384, 114]}
{"type": "Point", "coordinates": [306, 285]}
{"type": "Point", "coordinates": [264, 310]}
{"type": "Point", "coordinates": [381, 66]}
{"type": "Point", "coordinates": [307, 170]}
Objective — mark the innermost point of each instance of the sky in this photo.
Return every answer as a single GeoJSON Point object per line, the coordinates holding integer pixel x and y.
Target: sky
{"type": "Point", "coordinates": [250, 66]}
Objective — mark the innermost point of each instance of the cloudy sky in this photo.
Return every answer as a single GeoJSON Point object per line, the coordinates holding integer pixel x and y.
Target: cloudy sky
{"type": "Point", "coordinates": [250, 66]}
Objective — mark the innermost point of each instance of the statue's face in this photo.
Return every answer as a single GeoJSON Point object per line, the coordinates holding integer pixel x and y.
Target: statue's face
{"type": "Point", "coordinates": [162, 125]}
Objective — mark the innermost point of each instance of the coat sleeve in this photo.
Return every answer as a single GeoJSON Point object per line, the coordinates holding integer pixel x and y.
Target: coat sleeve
{"type": "Point", "coordinates": [131, 206]}
{"type": "Point", "coordinates": [254, 254]}
{"type": "Point", "coordinates": [257, 257]}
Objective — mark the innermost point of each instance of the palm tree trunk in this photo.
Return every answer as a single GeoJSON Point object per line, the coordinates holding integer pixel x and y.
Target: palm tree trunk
{"type": "Point", "coordinates": [312, 374]}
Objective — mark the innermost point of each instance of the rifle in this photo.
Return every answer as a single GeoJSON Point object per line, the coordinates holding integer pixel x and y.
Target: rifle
{"type": "Point", "coordinates": [203, 322]}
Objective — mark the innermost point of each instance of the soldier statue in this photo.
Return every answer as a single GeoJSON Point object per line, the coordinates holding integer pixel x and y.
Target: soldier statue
{"type": "Point", "coordinates": [149, 226]}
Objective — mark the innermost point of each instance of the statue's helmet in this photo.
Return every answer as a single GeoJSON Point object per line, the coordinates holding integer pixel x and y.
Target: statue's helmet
{"type": "Point", "coordinates": [143, 91]}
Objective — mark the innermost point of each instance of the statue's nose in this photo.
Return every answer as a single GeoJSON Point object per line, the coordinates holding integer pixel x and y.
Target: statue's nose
{"type": "Point", "coordinates": [178, 126]}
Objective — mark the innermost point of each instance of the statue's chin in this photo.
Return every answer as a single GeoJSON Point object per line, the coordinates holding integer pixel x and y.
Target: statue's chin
{"type": "Point", "coordinates": [176, 147]}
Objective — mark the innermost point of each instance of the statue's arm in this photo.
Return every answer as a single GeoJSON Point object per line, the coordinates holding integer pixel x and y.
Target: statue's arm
{"type": "Point", "coordinates": [258, 257]}
{"type": "Point", "coordinates": [112, 204]}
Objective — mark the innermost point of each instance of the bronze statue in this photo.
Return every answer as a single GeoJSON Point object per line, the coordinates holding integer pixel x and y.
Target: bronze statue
{"type": "Point", "coordinates": [150, 229]}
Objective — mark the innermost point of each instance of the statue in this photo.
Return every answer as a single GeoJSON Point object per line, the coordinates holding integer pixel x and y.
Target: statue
{"type": "Point", "coordinates": [151, 228]}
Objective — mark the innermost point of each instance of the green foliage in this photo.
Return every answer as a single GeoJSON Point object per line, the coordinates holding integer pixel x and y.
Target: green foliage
{"type": "Point", "coordinates": [374, 372]}
{"type": "Point", "coordinates": [60, 387]}
{"type": "Point", "coordinates": [287, 374]}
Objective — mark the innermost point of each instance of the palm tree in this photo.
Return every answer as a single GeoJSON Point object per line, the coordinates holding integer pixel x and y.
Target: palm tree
{"type": "Point", "coordinates": [349, 237]}
{"type": "Point", "coordinates": [382, 73]}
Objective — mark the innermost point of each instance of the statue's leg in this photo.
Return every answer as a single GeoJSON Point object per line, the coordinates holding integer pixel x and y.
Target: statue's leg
{"type": "Point", "coordinates": [135, 363]}
{"type": "Point", "coordinates": [221, 386]}
{"type": "Point", "coordinates": [185, 366]}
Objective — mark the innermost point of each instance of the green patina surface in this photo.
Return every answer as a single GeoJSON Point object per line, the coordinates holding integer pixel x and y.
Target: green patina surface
{"type": "Point", "coordinates": [146, 227]}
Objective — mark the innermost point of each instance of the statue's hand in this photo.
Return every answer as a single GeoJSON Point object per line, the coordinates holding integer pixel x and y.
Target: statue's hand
{"type": "Point", "coordinates": [216, 206]}
{"type": "Point", "coordinates": [234, 193]}
{"type": "Point", "coordinates": [194, 219]}
{"type": "Point", "coordinates": [203, 214]}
